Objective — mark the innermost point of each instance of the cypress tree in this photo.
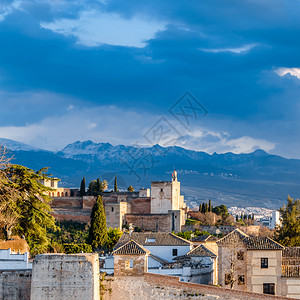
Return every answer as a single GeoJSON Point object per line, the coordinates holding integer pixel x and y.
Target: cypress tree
{"type": "Point", "coordinates": [200, 207]}
{"type": "Point", "coordinates": [209, 205]}
{"type": "Point", "coordinates": [98, 186]}
{"type": "Point", "coordinates": [82, 187]}
{"type": "Point", "coordinates": [203, 208]}
{"type": "Point", "coordinates": [116, 185]}
{"type": "Point", "coordinates": [252, 216]}
{"type": "Point", "coordinates": [206, 207]}
{"type": "Point", "coordinates": [98, 231]}
{"type": "Point", "coordinates": [236, 218]}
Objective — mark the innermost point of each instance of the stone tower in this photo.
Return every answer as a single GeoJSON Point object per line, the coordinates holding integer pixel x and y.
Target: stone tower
{"type": "Point", "coordinates": [165, 196]}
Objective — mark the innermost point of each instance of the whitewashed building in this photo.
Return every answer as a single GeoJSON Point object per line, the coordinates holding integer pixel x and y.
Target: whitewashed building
{"type": "Point", "coordinates": [10, 260]}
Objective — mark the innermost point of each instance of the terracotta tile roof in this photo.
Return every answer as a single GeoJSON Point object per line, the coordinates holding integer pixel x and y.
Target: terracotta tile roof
{"type": "Point", "coordinates": [290, 271]}
{"type": "Point", "coordinates": [201, 250]}
{"type": "Point", "coordinates": [132, 248]}
{"type": "Point", "coordinates": [251, 242]}
{"type": "Point", "coordinates": [234, 236]}
{"type": "Point", "coordinates": [153, 239]}
{"type": "Point", "coordinates": [204, 238]}
{"type": "Point", "coordinates": [291, 252]}
{"type": "Point", "coordinates": [291, 262]}
{"type": "Point", "coordinates": [261, 243]}
{"type": "Point", "coordinates": [158, 259]}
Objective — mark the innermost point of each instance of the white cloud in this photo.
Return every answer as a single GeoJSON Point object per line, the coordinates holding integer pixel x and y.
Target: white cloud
{"type": "Point", "coordinates": [94, 28]}
{"type": "Point", "coordinates": [100, 124]}
{"type": "Point", "coordinates": [237, 50]}
{"type": "Point", "coordinates": [210, 141]}
{"type": "Point", "coordinates": [6, 9]}
{"type": "Point", "coordinates": [292, 71]}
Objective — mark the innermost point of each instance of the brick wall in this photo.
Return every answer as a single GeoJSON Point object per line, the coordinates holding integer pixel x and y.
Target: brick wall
{"type": "Point", "coordinates": [153, 222]}
{"type": "Point", "coordinates": [76, 215]}
{"type": "Point", "coordinates": [141, 206]}
{"type": "Point", "coordinates": [15, 285]}
{"type": "Point", "coordinates": [68, 202]}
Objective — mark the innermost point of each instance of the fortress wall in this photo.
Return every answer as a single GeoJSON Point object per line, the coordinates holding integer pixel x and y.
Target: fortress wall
{"type": "Point", "coordinates": [61, 276]}
{"type": "Point", "coordinates": [15, 285]}
{"type": "Point", "coordinates": [154, 286]}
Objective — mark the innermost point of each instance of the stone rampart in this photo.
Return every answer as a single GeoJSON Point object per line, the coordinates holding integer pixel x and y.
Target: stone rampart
{"type": "Point", "coordinates": [154, 286]}
{"type": "Point", "coordinates": [15, 284]}
{"type": "Point", "coordinates": [65, 277]}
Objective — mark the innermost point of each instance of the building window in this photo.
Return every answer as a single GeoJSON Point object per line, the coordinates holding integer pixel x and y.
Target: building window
{"type": "Point", "coordinates": [52, 183]}
{"type": "Point", "coordinates": [228, 278]}
{"type": "Point", "coordinates": [112, 209]}
{"type": "Point", "coordinates": [241, 279]}
{"type": "Point", "coordinates": [161, 190]}
{"type": "Point", "coordinates": [129, 264]}
{"type": "Point", "coordinates": [264, 263]}
{"type": "Point", "coordinates": [150, 240]}
{"type": "Point", "coordinates": [240, 255]}
{"type": "Point", "coordinates": [269, 288]}
{"type": "Point", "coordinates": [174, 252]}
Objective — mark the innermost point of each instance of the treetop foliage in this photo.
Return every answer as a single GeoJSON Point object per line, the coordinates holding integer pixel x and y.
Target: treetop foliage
{"type": "Point", "coordinates": [289, 233]}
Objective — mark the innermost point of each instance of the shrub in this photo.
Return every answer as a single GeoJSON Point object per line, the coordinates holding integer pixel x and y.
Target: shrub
{"type": "Point", "coordinates": [77, 248]}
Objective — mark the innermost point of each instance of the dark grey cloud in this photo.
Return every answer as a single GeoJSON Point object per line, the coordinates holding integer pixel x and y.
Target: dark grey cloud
{"type": "Point", "coordinates": [224, 52]}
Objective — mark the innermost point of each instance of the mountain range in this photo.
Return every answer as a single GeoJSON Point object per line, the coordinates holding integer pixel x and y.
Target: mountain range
{"type": "Point", "coordinates": [253, 179]}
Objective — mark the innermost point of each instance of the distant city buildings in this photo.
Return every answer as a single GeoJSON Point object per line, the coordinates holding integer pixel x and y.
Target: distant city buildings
{"type": "Point", "coordinates": [262, 216]}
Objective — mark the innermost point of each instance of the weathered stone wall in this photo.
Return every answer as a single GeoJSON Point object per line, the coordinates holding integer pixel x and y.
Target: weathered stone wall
{"type": "Point", "coordinates": [153, 286]}
{"type": "Point", "coordinates": [137, 266]}
{"type": "Point", "coordinates": [141, 206]}
{"type": "Point", "coordinates": [161, 197]}
{"type": "Point", "coordinates": [88, 202]}
{"type": "Point", "coordinates": [15, 285]}
{"type": "Point", "coordinates": [61, 276]}
{"type": "Point", "coordinates": [153, 222]}
{"type": "Point", "coordinates": [257, 276]}
{"type": "Point", "coordinates": [115, 212]}
{"type": "Point", "coordinates": [72, 214]}
{"type": "Point", "coordinates": [68, 202]}
{"type": "Point", "coordinates": [291, 287]}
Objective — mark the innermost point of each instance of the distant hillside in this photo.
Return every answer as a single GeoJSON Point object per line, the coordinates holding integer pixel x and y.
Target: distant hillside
{"type": "Point", "coordinates": [254, 179]}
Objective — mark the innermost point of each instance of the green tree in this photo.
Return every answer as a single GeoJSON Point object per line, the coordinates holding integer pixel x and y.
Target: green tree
{"type": "Point", "coordinates": [203, 208]}
{"type": "Point", "coordinates": [200, 207]}
{"type": "Point", "coordinates": [114, 235]}
{"type": "Point", "coordinates": [116, 185]}
{"type": "Point", "coordinates": [98, 186]}
{"type": "Point", "coordinates": [33, 206]}
{"type": "Point", "coordinates": [82, 187]}
{"type": "Point", "coordinates": [289, 233]}
{"type": "Point", "coordinates": [209, 205]}
{"type": "Point", "coordinates": [9, 211]}
{"type": "Point", "coordinates": [221, 210]}
{"type": "Point", "coordinates": [130, 189]}
{"type": "Point", "coordinates": [98, 232]}
{"type": "Point", "coordinates": [236, 218]}
{"type": "Point", "coordinates": [92, 188]}
{"type": "Point", "coordinates": [206, 207]}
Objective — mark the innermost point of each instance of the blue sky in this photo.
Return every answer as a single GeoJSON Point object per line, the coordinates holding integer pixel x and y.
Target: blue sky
{"type": "Point", "coordinates": [108, 70]}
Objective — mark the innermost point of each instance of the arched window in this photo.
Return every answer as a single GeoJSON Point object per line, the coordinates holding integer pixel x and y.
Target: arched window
{"type": "Point", "coordinates": [66, 194]}
{"type": "Point", "coordinates": [58, 194]}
